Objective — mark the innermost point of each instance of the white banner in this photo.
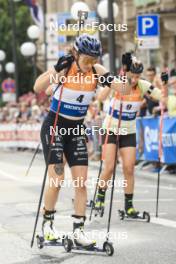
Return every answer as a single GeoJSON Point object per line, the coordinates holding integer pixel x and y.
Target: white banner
{"type": "Point", "coordinates": [19, 135]}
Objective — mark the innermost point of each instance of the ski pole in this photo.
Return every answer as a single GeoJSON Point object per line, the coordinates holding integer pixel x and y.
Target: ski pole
{"type": "Point", "coordinates": [47, 164]}
{"type": "Point", "coordinates": [164, 77]}
{"type": "Point", "coordinates": [115, 164]}
{"type": "Point", "coordinates": [103, 155]}
{"type": "Point", "coordinates": [114, 171]}
{"type": "Point", "coordinates": [32, 160]}
{"type": "Point", "coordinates": [159, 160]}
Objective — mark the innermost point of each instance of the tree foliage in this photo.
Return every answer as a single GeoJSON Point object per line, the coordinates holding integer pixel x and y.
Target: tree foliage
{"type": "Point", "coordinates": [23, 21]}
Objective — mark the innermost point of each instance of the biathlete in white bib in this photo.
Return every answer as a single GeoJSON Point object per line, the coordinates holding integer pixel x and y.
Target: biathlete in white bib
{"type": "Point", "coordinates": [127, 140]}
{"type": "Point", "coordinates": [74, 103]}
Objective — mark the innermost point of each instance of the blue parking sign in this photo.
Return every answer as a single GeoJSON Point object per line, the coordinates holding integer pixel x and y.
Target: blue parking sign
{"type": "Point", "coordinates": [148, 26]}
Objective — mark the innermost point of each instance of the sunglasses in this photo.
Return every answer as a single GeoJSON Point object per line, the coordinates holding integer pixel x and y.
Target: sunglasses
{"type": "Point", "coordinates": [89, 60]}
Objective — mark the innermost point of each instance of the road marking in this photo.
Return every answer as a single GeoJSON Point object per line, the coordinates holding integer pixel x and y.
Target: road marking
{"type": "Point", "coordinates": [16, 178]}
{"type": "Point", "coordinates": [163, 222]}
{"type": "Point", "coordinates": [2, 229]}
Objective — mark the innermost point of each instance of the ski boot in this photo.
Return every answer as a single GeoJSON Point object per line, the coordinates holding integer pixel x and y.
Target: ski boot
{"type": "Point", "coordinates": [100, 203]}
{"type": "Point", "coordinates": [50, 235]}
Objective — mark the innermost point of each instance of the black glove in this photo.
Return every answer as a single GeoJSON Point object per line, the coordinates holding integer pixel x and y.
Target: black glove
{"type": "Point", "coordinates": [164, 77]}
{"type": "Point", "coordinates": [127, 60]}
{"type": "Point", "coordinates": [64, 62]}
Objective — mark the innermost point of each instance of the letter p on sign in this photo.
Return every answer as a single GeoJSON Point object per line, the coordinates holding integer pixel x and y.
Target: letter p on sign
{"type": "Point", "coordinates": [147, 23]}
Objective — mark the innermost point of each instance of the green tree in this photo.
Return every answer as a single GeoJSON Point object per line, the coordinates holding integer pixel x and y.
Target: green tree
{"type": "Point", "coordinates": [23, 21]}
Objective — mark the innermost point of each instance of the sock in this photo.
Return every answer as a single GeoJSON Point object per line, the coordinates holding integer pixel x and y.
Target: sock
{"type": "Point", "coordinates": [128, 201]}
{"type": "Point", "coordinates": [48, 215]}
{"type": "Point", "coordinates": [78, 221]}
{"type": "Point", "coordinates": [101, 195]}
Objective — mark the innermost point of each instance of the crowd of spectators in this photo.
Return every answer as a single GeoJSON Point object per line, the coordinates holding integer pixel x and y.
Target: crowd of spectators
{"type": "Point", "coordinates": [28, 110]}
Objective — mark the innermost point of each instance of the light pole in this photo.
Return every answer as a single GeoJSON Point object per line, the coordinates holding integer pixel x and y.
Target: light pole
{"type": "Point", "coordinates": [10, 95]}
{"type": "Point", "coordinates": [109, 10]}
{"type": "Point", "coordinates": [79, 12]}
{"type": "Point", "coordinates": [33, 33]}
{"type": "Point", "coordinates": [78, 6]}
{"type": "Point", "coordinates": [0, 77]}
{"type": "Point", "coordinates": [2, 58]}
{"type": "Point", "coordinates": [14, 51]}
{"type": "Point", "coordinates": [44, 2]}
{"type": "Point", "coordinates": [28, 49]}
{"type": "Point", "coordinates": [2, 55]}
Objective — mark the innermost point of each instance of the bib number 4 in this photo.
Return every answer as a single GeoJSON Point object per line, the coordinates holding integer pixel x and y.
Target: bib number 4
{"type": "Point", "coordinates": [80, 98]}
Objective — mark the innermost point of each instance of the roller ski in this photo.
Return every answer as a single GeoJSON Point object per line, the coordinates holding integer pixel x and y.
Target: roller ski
{"type": "Point", "coordinates": [70, 245]}
{"type": "Point", "coordinates": [132, 214]}
{"type": "Point", "coordinates": [50, 236]}
{"type": "Point", "coordinates": [80, 242]}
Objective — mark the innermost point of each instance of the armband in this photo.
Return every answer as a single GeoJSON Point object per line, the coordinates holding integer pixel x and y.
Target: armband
{"type": "Point", "coordinates": [106, 79]}
{"type": "Point", "coordinates": [150, 89]}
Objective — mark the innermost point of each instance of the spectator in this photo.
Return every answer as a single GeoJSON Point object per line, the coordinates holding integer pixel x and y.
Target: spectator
{"type": "Point", "coordinates": [24, 113]}
{"type": "Point", "coordinates": [170, 102]}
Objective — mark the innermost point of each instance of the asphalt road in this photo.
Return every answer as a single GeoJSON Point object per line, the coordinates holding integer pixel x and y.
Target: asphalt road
{"type": "Point", "coordinates": [134, 241]}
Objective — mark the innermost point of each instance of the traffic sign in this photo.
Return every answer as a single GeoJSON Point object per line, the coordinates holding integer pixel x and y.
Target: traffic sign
{"type": "Point", "coordinates": [148, 31]}
{"type": "Point", "coordinates": [8, 86]}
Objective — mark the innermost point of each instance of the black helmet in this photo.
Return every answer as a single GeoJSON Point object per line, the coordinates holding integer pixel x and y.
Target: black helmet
{"type": "Point", "coordinates": [88, 45]}
{"type": "Point", "coordinates": [136, 66]}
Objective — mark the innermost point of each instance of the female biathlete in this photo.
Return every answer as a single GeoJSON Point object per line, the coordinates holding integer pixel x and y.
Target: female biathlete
{"type": "Point", "coordinates": [127, 141]}
{"type": "Point", "coordinates": [75, 100]}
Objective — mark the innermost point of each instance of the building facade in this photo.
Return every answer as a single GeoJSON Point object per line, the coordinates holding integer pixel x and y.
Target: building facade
{"type": "Point", "coordinates": [165, 55]}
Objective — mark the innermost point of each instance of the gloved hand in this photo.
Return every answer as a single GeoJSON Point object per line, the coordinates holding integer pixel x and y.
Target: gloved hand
{"type": "Point", "coordinates": [164, 77]}
{"type": "Point", "coordinates": [64, 62]}
{"type": "Point", "coordinates": [127, 60]}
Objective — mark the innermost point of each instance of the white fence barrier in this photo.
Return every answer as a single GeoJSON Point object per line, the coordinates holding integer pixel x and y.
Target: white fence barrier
{"type": "Point", "coordinates": [19, 135]}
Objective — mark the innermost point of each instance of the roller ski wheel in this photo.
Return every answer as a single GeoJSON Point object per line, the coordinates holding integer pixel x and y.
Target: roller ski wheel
{"type": "Point", "coordinates": [99, 211]}
{"type": "Point", "coordinates": [108, 248]}
{"type": "Point", "coordinates": [144, 217]}
{"type": "Point", "coordinates": [121, 214]}
{"type": "Point", "coordinates": [68, 244]}
{"type": "Point", "coordinates": [40, 242]}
